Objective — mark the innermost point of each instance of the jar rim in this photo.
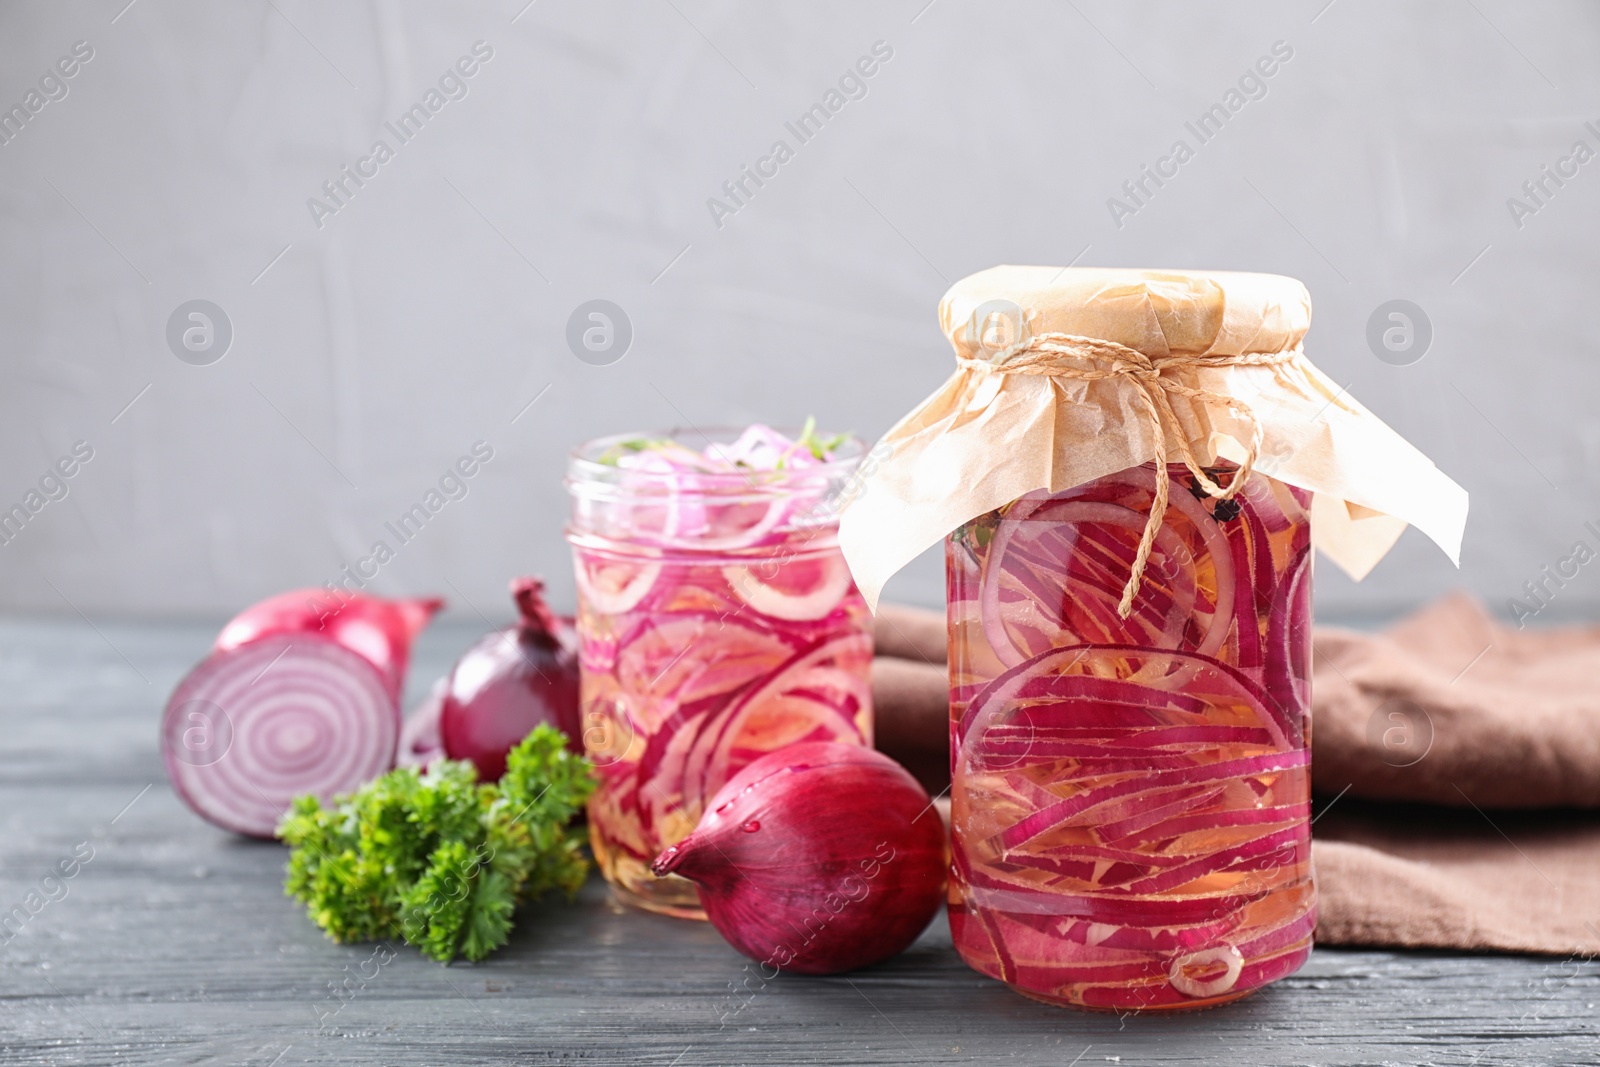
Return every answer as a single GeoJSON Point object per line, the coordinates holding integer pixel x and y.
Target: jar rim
{"type": "Point", "coordinates": [587, 476]}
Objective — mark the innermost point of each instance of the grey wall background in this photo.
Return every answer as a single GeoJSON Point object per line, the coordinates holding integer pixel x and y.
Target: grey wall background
{"type": "Point", "coordinates": [430, 310]}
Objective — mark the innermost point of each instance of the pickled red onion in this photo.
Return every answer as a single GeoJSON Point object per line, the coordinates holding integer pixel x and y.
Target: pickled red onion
{"type": "Point", "coordinates": [1226, 955]}
{"type": "Point", "coordinates": [1131, 815]}
{"type": "Point", "coordinates": [718, 623]}
{"type": "Point", "coordinates": [614, 586]}
{"type": "Point", "coordinates": [727, 497]}
{"type": "Point", "coordinates": [770, 599]}
{"type": "Point", "coordinates": [1083, 608]}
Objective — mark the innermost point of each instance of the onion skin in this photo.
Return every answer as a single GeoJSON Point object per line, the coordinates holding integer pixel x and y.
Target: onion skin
{"type": "Point", "coordinates": [817, 858]}
{"type": "Point", "coordinates": [509, 682]}
{"type": "Point", "coordinates": [377, 629]}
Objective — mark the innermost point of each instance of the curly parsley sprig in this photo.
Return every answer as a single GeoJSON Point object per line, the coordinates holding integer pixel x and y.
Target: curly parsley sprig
{"type": "Point", "coordinates": [436, 857]}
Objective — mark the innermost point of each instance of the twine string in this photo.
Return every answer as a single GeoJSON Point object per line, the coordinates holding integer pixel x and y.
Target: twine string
{"type": "Point", "coordinates": [1063, 355]}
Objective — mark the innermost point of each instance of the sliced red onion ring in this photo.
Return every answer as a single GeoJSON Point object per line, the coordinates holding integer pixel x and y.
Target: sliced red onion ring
{"type": "Point", "coordinates": [1226, 770]}
{"type": "Point", "coordinates": [613, 586]}
{"type": "Point", "coordinates": [1154, 814]}
{"type": "Point", "coordinates": [1030, 552]}
{"type": "Point", "coordinates": [1096, 854]}
{"type": "Point", "coordinates": [1156, 912]}
{"type": "Point", "coordinates": [1291, 934]}
{"type": "Point", "coordinates": [802, 589]}
{"type": "Point", "coordinates": [1288, 660]}
{"type": "Point", "coordinates": [1217, 820]}
{"type": "Point", "coordinates": [1145, 939]}
{"type": "Point", "coordinates": [1070, 675]}
{"type": "Point", "coordinates": [679, 659]}
{"type": "Point", "coordinates": [848, 693]}
{"type": "Point", "coordinates": [1181, 973]}
{"type": "Point", "coordinates": [1279, 848]}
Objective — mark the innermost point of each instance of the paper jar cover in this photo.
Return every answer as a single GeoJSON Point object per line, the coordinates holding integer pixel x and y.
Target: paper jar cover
{"type": "Point", "coordinates": [985, 438]}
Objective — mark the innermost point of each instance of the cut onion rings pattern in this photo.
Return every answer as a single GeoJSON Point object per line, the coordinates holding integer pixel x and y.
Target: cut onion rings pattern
{"type": "Point", "coordinates": [1090, 541]}
{"type": "Point", "coordinates": [253, 727]}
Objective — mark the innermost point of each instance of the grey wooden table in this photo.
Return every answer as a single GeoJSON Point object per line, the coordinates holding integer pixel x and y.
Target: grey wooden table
{"type": "Point", "coordinates": [175, 944]}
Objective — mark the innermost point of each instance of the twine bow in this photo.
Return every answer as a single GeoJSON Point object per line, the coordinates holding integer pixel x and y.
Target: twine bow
{"type": "Point", "coordinates": [1061, 355]}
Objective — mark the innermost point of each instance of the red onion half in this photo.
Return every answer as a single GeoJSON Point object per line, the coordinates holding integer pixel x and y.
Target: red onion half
{"type": "Point", "coordinates": [511, 681]}
{"type": "Point", "coordinates": [299, 695]}
{"type": "Point", "coordinates": [817, 858]}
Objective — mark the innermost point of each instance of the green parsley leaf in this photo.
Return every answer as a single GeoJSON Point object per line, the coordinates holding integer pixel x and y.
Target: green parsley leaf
{"type": "Point", "coordinates": [821, 447]}
{"type": "Point", "coordinates": [437, 858]}
{"type": "Point", "coordinates": [611, 455]}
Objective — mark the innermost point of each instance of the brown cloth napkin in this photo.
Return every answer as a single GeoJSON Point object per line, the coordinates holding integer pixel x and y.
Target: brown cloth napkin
{"type": "Point", "coordinates": [1452, 707]}
{"type": "Point", "coordinates": [1427, 740]}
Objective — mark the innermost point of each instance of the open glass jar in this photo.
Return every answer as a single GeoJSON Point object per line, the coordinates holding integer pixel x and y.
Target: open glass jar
{"type": "Point", "coordinates": [718, 622]}
{"type": "Point", "coordinates": [1130, 798]}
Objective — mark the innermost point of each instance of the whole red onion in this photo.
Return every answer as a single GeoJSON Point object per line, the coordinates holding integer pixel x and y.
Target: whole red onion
{"type": "Point", "coordinates": [817, 858]}
{"type": "Point", "coordinates": [509, 682]}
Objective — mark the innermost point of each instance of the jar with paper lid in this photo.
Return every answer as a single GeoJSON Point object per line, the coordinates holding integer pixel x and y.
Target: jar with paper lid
{"type": "Point", "coordinates": [1124, 470]}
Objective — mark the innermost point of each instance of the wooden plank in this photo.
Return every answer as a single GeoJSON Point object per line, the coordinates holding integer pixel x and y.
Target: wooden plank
{"type": "Point", "coordinates": [174, 944]}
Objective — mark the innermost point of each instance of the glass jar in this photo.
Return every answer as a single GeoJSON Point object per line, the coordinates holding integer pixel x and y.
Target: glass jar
{"type": "Point", "coordinates": [1131, 797]}
{"type": "Point", "coordinates": [718, 622]}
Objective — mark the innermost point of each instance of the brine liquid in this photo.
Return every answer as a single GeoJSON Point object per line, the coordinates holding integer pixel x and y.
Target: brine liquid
{"type": "Point", "coordinates": [1130, 798]}
{"type": "Point", "coordinates": [694, 666]}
